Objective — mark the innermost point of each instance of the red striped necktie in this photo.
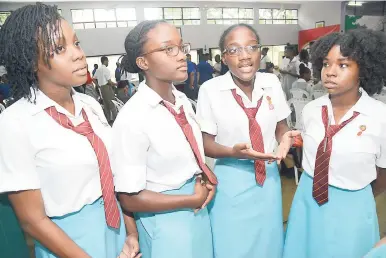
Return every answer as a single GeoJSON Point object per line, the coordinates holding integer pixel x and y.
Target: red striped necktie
{"type": "Point", "coordinates": [323, 155]}
{"type": "Point", "coordinates": [106, 175]}
{"type": "Point", "coordinates": [255, 136]}
{"type": "Point", "coordinates": [188, 132]}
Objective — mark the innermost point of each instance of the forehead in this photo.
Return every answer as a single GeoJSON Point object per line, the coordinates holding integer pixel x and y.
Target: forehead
{"type": "Point", "coordinates": [239, 36]}
{"type": "Point", "coordinates": [163, 33]}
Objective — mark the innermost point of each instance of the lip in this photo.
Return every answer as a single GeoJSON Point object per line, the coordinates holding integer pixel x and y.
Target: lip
{"type": "Point", "coordinates": [81, 69]}
{"type": "Point", "coordinates": [329, 84]}
{"type": "Point", "coordinates": [182, 68]}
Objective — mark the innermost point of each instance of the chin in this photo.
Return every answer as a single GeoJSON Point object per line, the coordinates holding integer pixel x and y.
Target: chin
{"type": "Point", "coordinates": [245, 77]}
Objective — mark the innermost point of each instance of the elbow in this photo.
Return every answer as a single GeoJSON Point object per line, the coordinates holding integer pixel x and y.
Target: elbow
{"type": "Point", "coordinates": [32, 225]}
{"type": "Point", "coordinates": [130, 202]}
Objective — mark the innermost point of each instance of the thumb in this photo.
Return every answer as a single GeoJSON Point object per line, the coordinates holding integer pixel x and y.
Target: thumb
{"type": "Point", "coordinates": [198, 180]}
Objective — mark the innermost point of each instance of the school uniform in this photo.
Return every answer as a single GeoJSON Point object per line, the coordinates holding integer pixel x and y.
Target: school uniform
{"type": "Point", "coordinates": [333, 212]}
{"type": "Point", "coordinates": [288, 79]}
{"type": "Point", "coordinates": [246, 214]}
{"type": "Point", "coordinates": [38, 152]}
{"type": "Point", "coordinates": [379, 252]}
{"type": "Point", "coordinates": [151, 152]}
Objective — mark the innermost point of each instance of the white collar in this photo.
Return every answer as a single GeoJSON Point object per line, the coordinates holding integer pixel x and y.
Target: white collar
{"type": "Point", "coordinates": [152, 97]}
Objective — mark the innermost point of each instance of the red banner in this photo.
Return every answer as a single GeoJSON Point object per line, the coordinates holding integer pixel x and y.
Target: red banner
{"type": "Point", "coordinates": [307, 36]}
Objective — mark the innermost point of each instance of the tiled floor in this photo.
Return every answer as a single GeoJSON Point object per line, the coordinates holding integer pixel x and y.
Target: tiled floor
{"type": "Point", "coordinates": [289, 188]}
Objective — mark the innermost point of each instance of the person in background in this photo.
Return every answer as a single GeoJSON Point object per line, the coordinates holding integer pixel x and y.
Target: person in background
{"type": "Point", "coordinates": [89, 87]}
{"type": "Point", "coordinates": [333, 213]}
{"type": "Point", "coordinates": [269, 68]}
{"type": "Point", "coordinates": [204, 70]}
{"type": "Point", "coordinates": [191, 85]}
{"type": "Point", "coordinates": [217, 65]}
{"type": "Point", "coordinates": [63, 191]}
{"type": "Point", "coordinates": [304, 58]}
{"type": "Point", "coordinates": [207, 55]}
{"type": "Point", "coordinates": [95, 69]}
{"type": "Point", "coordinates": [158, 157]}
{"type": "Point", "coordinates": [289, 72]}
{"type": "Point", "coordinates": [102, 79]}
{"type": "Point", "coordinates": [5, 88]}
{"type": "Point", "coordinates": [118, 72]}
{"type": "Point", "coordinates": [123, 91]}
{"type": "Point", "coordinates": [264, 58]}
{"type": "Point", "coordinates": [304, 80]}
{"type": "Point", "coordinates": [243, 116]}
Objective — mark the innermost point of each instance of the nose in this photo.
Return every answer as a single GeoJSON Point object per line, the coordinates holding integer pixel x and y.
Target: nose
{"type": "Point", "coordinates": [181, 55]}
{"type": "Point", "coordinates": [330, 71]}
{"type": "Point", "coordinates": [244, 54]}
{"type": "Point", "coordinates": [77, 53]}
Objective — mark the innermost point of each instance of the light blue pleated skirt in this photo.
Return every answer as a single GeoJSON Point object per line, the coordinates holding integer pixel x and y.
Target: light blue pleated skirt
{"type": "Point", "coordinates": [346, 226]}
{"type": "Point", "coordinates": [88, 229]}
{"type": "Point", "coordinates": [246, 219]}
{"type": "Point", "coordinates": [379, 252]}
{"type": "Point", "coordinates": [175, 234]}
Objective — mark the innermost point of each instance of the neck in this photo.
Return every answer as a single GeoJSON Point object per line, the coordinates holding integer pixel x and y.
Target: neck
{"type": "Point", "coordinates": [345, 100]}
{"type": "Point", "coordinates": [246, 87]}
{"type": "Point", "coordinates": [60, 94]}
{"type": "Point", "coordinates": [163, 88]}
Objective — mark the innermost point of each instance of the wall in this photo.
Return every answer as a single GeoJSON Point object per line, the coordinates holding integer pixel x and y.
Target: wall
{"type": "Point", "coordinates": [311, 12]}
{"type": "Point", "coordinates": [110, 41]}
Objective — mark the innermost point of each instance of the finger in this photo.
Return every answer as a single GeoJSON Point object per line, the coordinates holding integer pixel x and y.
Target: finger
{"type": "Point", "coordinates": [196, 211]}
{"type": "Point", "coordinates": [198, 180]}
{"type": "Point", "coordinates": [262, 156]}
{"type": "Point", "coordinates": [295, 133]}
{"type": "Point", "coordinates": [208, 199]}
{"type": "Point", "coordinates": [138, 256]}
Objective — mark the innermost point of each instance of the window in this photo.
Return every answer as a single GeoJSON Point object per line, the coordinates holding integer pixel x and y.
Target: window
{"type": "Point", "coordinates": [230, 15]}
{"type": "Point", "coordinates": [174, 15]}
{"type": "Point", "coordinates": [275, 54]}
{"type": "Point", "coordinates": [103, 18]}
{"type": "Point", "coordinates": [3, 17]}
{"type": "Point", "coordinates": [278, 16]}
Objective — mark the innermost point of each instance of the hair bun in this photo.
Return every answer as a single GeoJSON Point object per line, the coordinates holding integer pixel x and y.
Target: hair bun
{"type": "Point", "coordinates": [129, 64]}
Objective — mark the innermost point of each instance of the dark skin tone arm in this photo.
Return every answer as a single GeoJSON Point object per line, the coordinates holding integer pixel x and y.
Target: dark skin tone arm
{"type": "Point", "coordinates": [29, 209]}
{"type": "Point", "coordinates": [379, 184]}
{"type": "Point", "coordinates": [149, 201]}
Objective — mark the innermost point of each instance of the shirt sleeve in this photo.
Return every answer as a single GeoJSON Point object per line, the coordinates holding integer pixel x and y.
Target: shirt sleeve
{"type": "Point", "coordinates": [17, 162]}
{"type": "Point", "coordinates": [204, 112]}
{"type": "Point", "coordinates": [381, 157]}
{"type": "Point", "coordinates": [129, 155]}
{"type": "Point", "coordinates": [281, 105]}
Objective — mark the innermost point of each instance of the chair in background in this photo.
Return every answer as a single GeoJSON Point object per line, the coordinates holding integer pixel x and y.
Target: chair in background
{"type": "Point", "coordinates": [2, 108]}
{"type": "Point", "coordinates": [117, 104]}
{"type": "Point", "coordinates": [381, 97]}
{"type": "Point", "coordinates": [194, 104]}
{"type": "Point", "coordinates": [296, 106]}
{"type": "Point", "coordinates": [299, 94]}
{"type": "Point", "coordinates": [317, 94]}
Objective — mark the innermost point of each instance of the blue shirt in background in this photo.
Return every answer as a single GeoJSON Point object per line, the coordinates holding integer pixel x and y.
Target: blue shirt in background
{"type": "Point", "coordinates": [5, 90]}
{"type": "Point", "coordinates": [206, 71]}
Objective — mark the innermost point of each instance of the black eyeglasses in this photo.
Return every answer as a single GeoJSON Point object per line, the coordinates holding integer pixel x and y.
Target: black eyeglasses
{"type": "Point", "coordinates": [171, 50]}
{"type": "Point", "coordinates": [236, 51]}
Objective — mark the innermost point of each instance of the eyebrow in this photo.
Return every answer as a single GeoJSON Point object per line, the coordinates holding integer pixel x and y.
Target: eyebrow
{"type": "Point", "coordinates": [339, 59]}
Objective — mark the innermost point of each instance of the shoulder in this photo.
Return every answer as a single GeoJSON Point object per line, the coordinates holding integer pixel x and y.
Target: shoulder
{"type": "Point", "coordinates": [268, 79]}
{"type": "Point", "coordinates": [313, 107]}
{"type": "Point", "coordinates": [135, 110]}
{"type": "Point", "coordinates": [214, 84]}
{"type": "Point", "coordinates": [379, 109]}
{"type": "Point", "coordinates": [16, 117]}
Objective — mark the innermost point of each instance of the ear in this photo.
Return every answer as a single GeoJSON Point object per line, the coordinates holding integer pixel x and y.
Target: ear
{"type": "Point", "coordinates": [223, 59]}
{"type": "Point", "coordinates": [142, 63]}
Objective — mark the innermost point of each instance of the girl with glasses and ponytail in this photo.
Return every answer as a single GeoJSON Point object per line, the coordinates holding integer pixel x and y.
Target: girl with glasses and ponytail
{"type": "Point", "coordinates": [158, 154]}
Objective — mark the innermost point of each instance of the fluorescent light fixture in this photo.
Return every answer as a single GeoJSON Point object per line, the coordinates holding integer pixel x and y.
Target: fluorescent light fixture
{"type": "Point", "coordinates": [355, 3]}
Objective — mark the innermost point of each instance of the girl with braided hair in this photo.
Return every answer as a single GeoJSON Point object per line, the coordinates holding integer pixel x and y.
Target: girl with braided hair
{"type": "Point", "coordinates": [55, 143]}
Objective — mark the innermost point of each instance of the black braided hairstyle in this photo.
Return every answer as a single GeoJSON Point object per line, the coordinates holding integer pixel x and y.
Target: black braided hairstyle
{"type": "Point", "coordinates": [26, 34]}
{"type": "Point", "coordinates": [366, 47]}
{"type": "Point", "coordinates": [134, 43]}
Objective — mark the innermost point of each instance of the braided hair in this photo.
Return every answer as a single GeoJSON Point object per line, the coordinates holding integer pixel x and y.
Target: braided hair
{"type": "Point", "coordinates": [26, 34]}
{"type": "Point", "coordinates": [134, 43]}
{"type": "Point", "coordinates": [366, 47]}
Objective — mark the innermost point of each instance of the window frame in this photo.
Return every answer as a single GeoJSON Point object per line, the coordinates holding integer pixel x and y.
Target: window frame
{"type": "Point", "coordinates": [271, 21]}
{"type": "Point", "coordinates": [94, 22]}
{"type": "Point", "coordinates": [5, 12]}
{"type": "Point", "coordinates": [236, 20]}
{"type": "Point", "coordinates": [183, 20]}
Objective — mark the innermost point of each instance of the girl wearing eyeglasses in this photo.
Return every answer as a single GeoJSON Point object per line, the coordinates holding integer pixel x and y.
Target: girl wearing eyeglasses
{"type": "Point", "coordinates": [242, 115]}
{"type": "Point", "coordinates": [158, 154]}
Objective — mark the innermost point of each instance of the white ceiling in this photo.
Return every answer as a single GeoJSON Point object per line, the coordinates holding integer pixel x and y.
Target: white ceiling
{"type": "Point", "coordinates": [250, 1]}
